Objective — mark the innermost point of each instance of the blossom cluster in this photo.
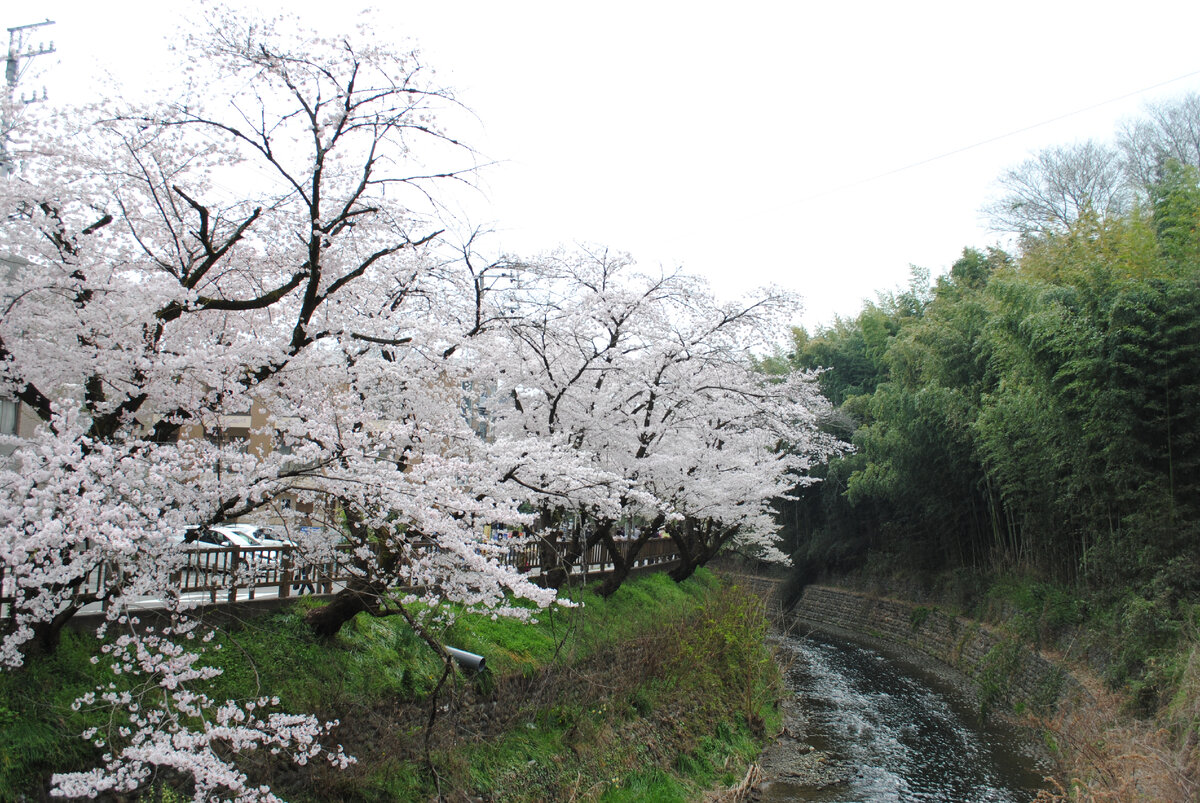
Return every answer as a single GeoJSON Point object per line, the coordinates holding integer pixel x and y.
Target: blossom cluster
{"type": "Point", "coordinates": [157, 720]}
{"type": "Point", "coordinates": [243, 301]}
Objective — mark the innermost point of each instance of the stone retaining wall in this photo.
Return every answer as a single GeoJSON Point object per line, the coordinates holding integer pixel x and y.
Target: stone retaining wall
{"type": "Point", "coordinates": [1005, 674]}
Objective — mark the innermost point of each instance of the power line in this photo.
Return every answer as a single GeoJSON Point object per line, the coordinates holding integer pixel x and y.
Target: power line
{"type": "Point", "coordinates": [981, 143]}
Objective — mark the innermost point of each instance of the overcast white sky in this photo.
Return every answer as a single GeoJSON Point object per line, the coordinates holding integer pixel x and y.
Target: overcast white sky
{"type": "Point", "coordinates": [815, 146]}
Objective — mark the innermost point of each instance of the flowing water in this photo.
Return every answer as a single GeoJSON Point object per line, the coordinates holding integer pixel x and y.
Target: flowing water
{"type": "Point", "coordinates": [900, 734]}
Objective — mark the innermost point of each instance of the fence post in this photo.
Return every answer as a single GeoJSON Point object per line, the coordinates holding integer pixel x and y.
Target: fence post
{"type": "Point", "coordinates": [285, 572]}
{"type": "Point", "coordinates": [327, 578]}
{"type": "Point", "coordinates": [102, 582]}
{"type": "Point", "coordinates": [233, 566]}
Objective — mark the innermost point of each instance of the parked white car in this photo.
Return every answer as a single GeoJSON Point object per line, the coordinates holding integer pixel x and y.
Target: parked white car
{"type": "Point", "coordinates": [223, 537]}
{"type": "Point", "coordinates": [259, 534]}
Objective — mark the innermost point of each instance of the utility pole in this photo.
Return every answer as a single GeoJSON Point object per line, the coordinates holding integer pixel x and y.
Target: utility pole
{"type": "Point", "coordinates": [19, 52]}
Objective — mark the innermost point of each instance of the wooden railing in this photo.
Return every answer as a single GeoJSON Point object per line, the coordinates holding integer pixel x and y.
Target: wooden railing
{"type": "Point", "coordinates": [233, 574]}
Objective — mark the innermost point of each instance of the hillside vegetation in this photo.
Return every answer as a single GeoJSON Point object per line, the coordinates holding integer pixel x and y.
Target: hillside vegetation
{"type": "Point", "coordinates": [661, 691]}
{"type": "Point", "coordinates": [1027, 429]}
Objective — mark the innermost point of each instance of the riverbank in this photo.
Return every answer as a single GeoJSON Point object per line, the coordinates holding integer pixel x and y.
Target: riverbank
{"type": "Point", "coordinates": [1101, 752]}
{"type": "Point", "coordinates": [660, 692]}
{"type": "Point", "coordinates": [790, 762]}
{"type": "Point", "coordinates": [1005, 677]}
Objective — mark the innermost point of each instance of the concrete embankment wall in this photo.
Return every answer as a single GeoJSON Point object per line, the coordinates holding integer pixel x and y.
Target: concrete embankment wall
{"type": "Point", "coordinates": [1005, 675]}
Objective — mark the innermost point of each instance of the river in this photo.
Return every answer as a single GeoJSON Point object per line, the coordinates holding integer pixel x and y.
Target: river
{"type": "Point", "coordinates": [874, 729]}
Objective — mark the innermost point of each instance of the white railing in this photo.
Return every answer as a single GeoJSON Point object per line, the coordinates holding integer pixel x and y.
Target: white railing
{"type": "Point", "coordinates": [234, 574]}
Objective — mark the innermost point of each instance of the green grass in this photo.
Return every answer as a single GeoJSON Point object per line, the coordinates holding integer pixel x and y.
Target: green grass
{"type": "Point", "coordinates": [652, 784]}
{"type": "Point", "coordinates": [669, 736]}
{"type": "Point", "coordinates": [38, 725]}
{"type": "Point", "coordinates": [511, 645]}
{"type": "Point", "coordinates": [665, 737]}
{"type": "Point", "coordinates": [1142, 639]}
{"type": "Point", "coordinates": [1038, 612]}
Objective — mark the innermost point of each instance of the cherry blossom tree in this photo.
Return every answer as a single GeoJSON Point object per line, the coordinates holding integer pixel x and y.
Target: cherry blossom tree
{"type": "Point", "coordinates": [264, 239]}
{"type": "Point", "coordinates": [269, 239]}
{"type": "Point", "coordinates": [647, 383]}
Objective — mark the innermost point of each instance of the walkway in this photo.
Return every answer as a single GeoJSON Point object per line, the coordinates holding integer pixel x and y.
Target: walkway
{"type": "Point", "coordinates": [238, 574]}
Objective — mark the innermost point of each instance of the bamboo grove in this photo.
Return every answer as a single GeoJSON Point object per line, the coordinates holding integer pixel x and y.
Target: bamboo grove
{"type": "Point", "coordinates": [1032, 412]}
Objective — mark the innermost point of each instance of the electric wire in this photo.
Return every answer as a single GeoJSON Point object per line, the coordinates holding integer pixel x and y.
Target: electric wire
{"type": "Point", "coordinates": [945, 155]}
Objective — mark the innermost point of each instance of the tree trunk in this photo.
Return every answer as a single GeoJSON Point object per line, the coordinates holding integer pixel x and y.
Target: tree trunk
{"type": "Point", "coordinates": [360, 595]}
{"type": "Point", "coordinates": [684, 538]}
{"type": "Point", "coordinates": [550, 555]}
{"type": "Point", "coordinates": [556, 576]}
{"type": "Point", "coordinates": [623, 560]}
{"type": "Point", "coordinates": [703, 546]}
{"type": "Point", "coordinates": [573, 549]}
{"type": "Point", "coordinates": [620, 569]}
{"type": "Point", "coordinates": [47, 635]}
{"type": "Point", "coordinates": [683, 571]}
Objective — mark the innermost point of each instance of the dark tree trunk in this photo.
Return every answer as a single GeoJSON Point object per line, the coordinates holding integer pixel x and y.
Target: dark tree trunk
{"type": "Point", "coordinates": [550, 548]}
{"type": "Point", "coordinates": [556, 576]}
{"type": "Point", "coordinates": [683, 571]}
{"type": "Point", "coordinates": [365, 593]}
{"type": "Point", "coordinates": [685, 540]}
{"type": "Point", "coordinates": [623, 560]}
{"type": "Point", "coordinates": [697, 546]}
{"type": "Point", "coordinates": [572, 550]}
{"type": "Point", "coordinates": [620, 566]}
{"type": "Point", "coordinates": [360, 595]}
{"type": "Point", "coordinates": [47, 635]}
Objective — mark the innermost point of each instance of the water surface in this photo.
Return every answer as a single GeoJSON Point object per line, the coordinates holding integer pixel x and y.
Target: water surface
{"type": "Point", "coordinates": [903, 734]}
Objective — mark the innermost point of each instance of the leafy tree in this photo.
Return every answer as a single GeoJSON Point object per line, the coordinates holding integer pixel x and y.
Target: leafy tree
{"type": "Point", "coordinates": [1033, 415]}
{"type": "Point", "coordinates": [840, 351]}
{"type": "Point", "coordinates": [916, 437]}
{"type": "Point", "coordinates": [1038, 413]}
{"type": "Point", "coordinates": [973, 270]}
{"type": "Point", "coordinates": [826, 526]}
{"type": "Point", "coordinates": [1175, 201]}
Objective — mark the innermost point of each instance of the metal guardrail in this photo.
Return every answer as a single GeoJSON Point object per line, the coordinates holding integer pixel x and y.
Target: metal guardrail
{"type": "Point", "coordinates": [233, 574]}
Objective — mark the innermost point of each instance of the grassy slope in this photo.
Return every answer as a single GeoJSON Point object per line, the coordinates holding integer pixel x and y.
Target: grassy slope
{"type": "Point", "coordinates": [687, 722]}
